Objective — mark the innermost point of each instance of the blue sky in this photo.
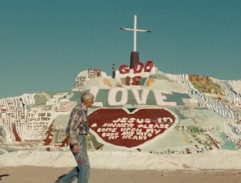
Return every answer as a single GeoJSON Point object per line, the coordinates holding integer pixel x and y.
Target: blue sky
{"type": "Point", "coordinates": [44, 44]}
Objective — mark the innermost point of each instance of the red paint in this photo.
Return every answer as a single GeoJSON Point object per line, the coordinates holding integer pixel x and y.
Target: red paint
{"type": "Point", "coordinates": [138, 67]}
{"type": "Point", "coordinates": [135, 81]}
{"type": "Point", "coordinates": [149, 65]}
{"type": "Point", "coordinates": [120, 128]}
{"type": "Point", "coordinates": [124, 69]}
{"type": "Point", "coordinates": [15, 133]}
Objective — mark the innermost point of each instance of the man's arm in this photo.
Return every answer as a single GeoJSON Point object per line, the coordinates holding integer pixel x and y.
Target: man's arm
{"type": "Point", "coordinates": [71, 130]}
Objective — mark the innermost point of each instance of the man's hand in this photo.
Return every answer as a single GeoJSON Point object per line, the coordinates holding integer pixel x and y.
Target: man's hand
{"type": "Point", "coordinates": [75, 148]}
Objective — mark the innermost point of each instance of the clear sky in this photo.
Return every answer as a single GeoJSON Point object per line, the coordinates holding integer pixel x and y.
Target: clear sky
{"type": "Point", "coordinates": [44, 44]}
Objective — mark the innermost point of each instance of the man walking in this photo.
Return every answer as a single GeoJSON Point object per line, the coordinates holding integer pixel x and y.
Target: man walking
{"type": "Point", "coordinates": [77, 131]}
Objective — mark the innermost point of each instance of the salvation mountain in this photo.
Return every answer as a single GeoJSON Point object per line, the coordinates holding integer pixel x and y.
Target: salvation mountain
{"type": "Point", "coordinates": [138, 109]}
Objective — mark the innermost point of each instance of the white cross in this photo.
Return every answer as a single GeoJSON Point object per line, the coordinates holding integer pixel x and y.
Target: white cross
{"type": "Point", "coordinates": [135, 30]}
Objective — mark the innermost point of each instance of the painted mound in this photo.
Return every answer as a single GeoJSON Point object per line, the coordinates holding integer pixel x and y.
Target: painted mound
{"type": "Point", "coordinates": [141, 109]}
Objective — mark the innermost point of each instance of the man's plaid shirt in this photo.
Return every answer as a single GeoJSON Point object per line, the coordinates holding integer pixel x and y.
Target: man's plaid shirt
{"type": "Point", "coordinates": [78, 124]}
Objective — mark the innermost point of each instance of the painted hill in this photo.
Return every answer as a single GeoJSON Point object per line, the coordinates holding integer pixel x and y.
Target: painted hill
{"type": "Point", "coordinates": [141, 110]}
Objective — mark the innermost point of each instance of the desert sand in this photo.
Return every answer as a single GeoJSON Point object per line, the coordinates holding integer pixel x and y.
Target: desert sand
{"type": "Point", "coordinates": [34, 174]}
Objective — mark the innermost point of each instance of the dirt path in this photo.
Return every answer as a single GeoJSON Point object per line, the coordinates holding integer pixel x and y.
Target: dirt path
{"type": "Point", "coordinates": [32, 174]}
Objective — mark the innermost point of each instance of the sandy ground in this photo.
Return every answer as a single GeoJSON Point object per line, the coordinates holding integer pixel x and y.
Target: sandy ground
{"type": "Point", "coordinates": [32, 174]}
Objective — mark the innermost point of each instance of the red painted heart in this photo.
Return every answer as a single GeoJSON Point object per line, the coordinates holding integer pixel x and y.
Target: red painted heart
{"type": "Point", "coordinates": [122, 128]}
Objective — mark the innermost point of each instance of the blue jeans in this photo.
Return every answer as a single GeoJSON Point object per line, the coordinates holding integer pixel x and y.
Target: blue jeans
{"type": "Point", "coordinates": [82, 171]}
